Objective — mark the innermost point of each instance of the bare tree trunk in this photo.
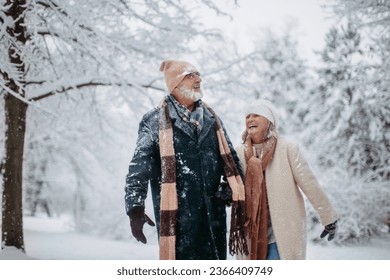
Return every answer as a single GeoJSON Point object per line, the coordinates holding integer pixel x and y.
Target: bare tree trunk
{"type": "Point", "coordinates": [12, 214]}
{"type": "Point", "coordinates": [15, 123]}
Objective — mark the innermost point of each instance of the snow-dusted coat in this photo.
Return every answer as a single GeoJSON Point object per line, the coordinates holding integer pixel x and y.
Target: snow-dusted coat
{"type": "Point", "coordinates": [288, 175]}
{"type": "Point", "coordinates": [201, 220]}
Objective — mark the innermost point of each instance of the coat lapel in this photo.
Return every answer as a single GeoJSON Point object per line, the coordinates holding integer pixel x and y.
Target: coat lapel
{"type": "Point", "coordinates": [208, 123]}
{"type": "Point", "coordinates": [179, 123]}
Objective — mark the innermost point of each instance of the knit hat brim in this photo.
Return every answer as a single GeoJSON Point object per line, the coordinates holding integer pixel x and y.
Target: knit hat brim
{"type": "Point", "coordinates": [262, 108]}
{"type": "Point", "coordinates": [175, 71]}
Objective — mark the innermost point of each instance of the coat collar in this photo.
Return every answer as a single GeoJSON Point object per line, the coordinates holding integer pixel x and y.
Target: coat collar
{"type": "Point", "coordinates": [208, 122]}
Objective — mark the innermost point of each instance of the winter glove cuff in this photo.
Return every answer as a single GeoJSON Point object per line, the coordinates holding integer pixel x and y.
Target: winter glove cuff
{"type": "Point", "coordinates": [137, 220]}
{"type": "Point", "coordinates": [331, 230]}
{"type": "Point", "coordinates": [224, 193]}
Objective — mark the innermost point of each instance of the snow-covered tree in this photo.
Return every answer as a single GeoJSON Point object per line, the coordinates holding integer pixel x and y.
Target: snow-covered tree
{"type": "Point", "coordinates": [372, 18]}
{"type": "Point", "coordinates": [333, 100]}
{"type": "Point", "coordinates": [282, 76]}
{"type": "Point", "coordinates": [54, 52]}
{"type": "Point", "coordinates": [351, 105]}
{"type": "Point", "coordinates": [346, 132]}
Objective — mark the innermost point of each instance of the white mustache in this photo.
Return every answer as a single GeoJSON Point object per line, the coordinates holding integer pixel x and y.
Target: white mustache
{"type": "Point", "coordinates": [189, 93]}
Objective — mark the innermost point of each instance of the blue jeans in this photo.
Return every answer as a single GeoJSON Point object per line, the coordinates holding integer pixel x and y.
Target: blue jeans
{"type": "Point", "coordinates": [273, 253]}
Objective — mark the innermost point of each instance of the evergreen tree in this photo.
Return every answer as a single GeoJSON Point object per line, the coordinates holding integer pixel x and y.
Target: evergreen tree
{"type": "Point", "coordinates": [346, 132]}
{"type": "Point", "coordinates": [349, 108]}
{"type": "Point", "coordinates": [282, 76]}
{"type": "Point", "coordinates": [333, 120]}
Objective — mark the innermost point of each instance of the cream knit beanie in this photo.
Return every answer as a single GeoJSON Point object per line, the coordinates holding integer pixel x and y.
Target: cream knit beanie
{"type": "Point", "coordinates": [263, 108]}
{"type": "Point", "coordinates": [175, 71]}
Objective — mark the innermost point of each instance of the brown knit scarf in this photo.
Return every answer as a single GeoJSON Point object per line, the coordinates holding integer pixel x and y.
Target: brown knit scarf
{"type": "Point", "coordinates": [169, 202]}
{"type": "Point", "coordinates": [237, 241]}
{"type": "Point", "coordinates": [256, 225]}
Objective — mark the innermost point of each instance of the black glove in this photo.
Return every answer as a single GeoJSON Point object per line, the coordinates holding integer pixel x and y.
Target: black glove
{"type": "Point", "coordinates": [331, 230]}
{"type": "Point", "coordinates": [224, 193]}
{"type": "Point", "coordinates": [137, 220]}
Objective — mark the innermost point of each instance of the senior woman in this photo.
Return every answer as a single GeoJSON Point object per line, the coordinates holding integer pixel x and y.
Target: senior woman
{"type": "Point", "coordinates": [276, 177]}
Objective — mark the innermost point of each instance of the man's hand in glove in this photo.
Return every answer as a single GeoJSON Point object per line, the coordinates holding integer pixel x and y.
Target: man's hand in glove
{"type": "Point", "coordinates": [331, 230]}
{"type": "Point", "coordinates": [137, 220]}
{"type": "Point", "coordinates": [224, 193]}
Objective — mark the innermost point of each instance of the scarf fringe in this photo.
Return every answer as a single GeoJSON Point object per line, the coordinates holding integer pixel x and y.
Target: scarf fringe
{"type": "Point", "coordinates": [237, 240]}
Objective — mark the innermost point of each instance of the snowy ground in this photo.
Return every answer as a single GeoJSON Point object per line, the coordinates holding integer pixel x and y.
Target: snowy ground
{"type": "Point", "coordinates": [51, 239]}
{"type": "Point", "coordinates": [59, 253]}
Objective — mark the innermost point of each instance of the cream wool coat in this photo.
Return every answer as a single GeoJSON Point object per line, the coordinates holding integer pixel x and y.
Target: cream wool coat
{"type": "Point", "coordinates": [288, 176]}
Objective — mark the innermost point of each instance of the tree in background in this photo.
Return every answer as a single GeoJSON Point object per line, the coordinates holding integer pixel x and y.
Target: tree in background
{"type": "Point", "coordinates": [283, 77]}
{"type": "Point", "coordinates": [273, 70]}
{"type": "Point", "coordinates": [336, 98]}
{"type": "Point", "coordinates": [346, 131]}
{"type": "Point", "coordinates": [366, 86]}
{"type": "Point", "coordinates": [55, 52]}
{"type": "Point", "coordinates": [372, 18]}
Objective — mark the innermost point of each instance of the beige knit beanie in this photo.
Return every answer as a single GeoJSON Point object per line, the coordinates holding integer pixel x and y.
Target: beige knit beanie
{"type": "Point", "coordinates": [263, 108]}
{"type": "Point", "coordinates": [175, 71]}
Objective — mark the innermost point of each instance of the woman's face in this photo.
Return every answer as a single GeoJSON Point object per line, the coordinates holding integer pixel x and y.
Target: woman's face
{"type": "Point", "coordinates": [257, 127]}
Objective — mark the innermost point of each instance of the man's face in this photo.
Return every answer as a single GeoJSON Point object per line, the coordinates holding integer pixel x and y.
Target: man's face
{"type": "Point", "coordinates": [189, 87]}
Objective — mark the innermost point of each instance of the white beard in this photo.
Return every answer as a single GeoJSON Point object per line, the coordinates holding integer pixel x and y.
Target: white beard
{"type": "Point", "coordinates": [189, 93]}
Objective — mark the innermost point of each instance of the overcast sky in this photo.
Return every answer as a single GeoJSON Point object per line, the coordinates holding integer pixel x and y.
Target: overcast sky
{"type": "Point", "coordinates": [254, 15]}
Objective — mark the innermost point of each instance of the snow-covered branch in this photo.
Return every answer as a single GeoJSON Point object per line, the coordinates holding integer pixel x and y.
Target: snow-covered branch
{"type": "Point", "coordinates": [50, 89]}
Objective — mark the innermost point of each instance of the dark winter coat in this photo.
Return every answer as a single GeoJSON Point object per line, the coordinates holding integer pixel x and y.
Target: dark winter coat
{"type": "Point", "coordinates": [201, 221]}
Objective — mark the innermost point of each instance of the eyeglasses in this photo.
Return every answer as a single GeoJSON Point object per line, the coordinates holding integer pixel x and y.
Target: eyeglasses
{"type": "Point", "coordinates": [192, 75]}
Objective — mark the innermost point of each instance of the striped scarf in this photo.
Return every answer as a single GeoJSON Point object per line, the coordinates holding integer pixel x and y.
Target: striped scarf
{"type": "Point", "coordinates": [169, 202]}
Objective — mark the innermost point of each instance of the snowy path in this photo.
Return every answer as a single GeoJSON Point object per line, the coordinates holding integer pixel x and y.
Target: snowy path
{"type": "Point", "coordinates": [50, 240]}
